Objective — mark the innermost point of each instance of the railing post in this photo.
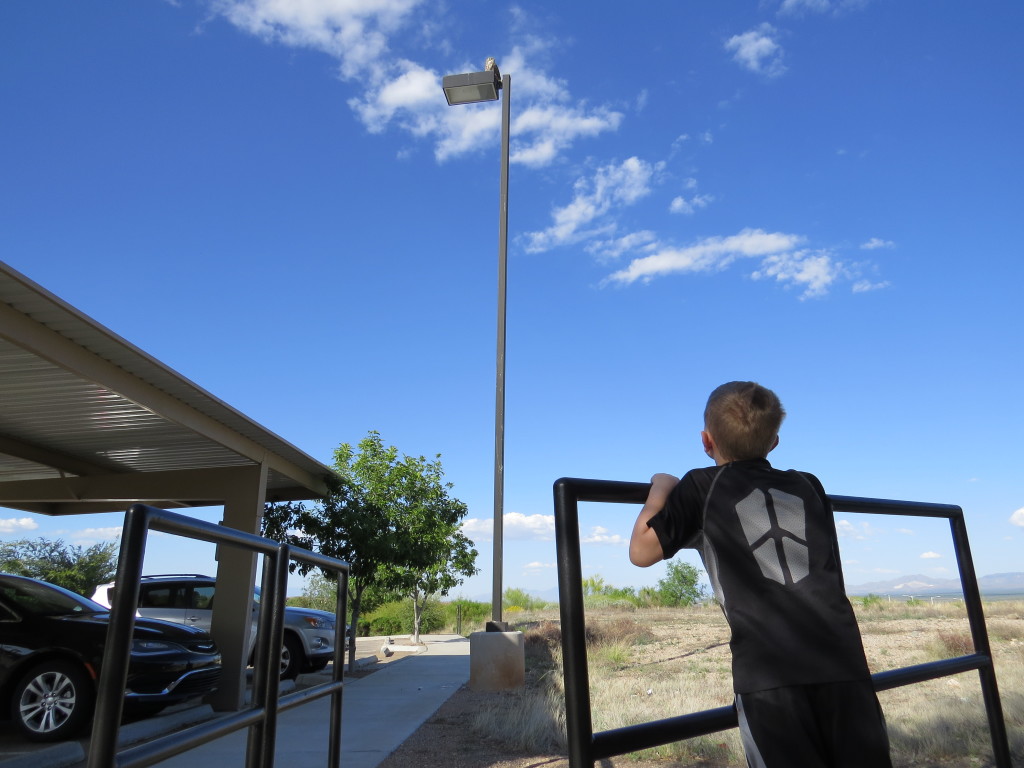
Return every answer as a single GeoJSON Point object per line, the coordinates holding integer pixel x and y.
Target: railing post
{"type": "Point", "coordinates": [578, 725]}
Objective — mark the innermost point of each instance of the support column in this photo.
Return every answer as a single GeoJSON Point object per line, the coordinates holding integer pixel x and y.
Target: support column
{"type": "Point", "coordinates": [236, 574]}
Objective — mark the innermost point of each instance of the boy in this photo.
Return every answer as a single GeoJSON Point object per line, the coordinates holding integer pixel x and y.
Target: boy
{"type": "Point", "coordinates": [804, 695]}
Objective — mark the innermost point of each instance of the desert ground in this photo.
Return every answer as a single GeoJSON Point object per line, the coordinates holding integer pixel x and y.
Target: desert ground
{"type": "Point", "coordinates": [651, 664]}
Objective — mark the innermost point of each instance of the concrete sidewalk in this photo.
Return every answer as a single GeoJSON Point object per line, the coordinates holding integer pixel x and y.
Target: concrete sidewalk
{"type": "Point", "coordinates": [379, 711]}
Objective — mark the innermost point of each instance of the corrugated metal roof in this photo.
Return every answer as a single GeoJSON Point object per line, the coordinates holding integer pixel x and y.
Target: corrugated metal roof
{"type": "Point", "coordinates": [101, 405]}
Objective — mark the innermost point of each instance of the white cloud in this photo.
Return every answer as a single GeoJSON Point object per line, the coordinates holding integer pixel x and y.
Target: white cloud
{"type": "Point", "coordinates": [601, 535]}
{"type": "Point", "coordinates": [515, 525]}
{"type": "Point", "coordinates": [17, 524]}
{"type": "Point", "coordinates": [707, 255]}
{"type": "Point", "coordinates": [864, 286]}
{"type": "Point", "coordinates": [608, 250]}
{"type": "Point", "coordinates": [797, 6]}
{"type": "Point", "coordinates": [1017, 518]}
{"type": "Point", "coordinates": [847, 530]}
{"type": "Point", "coordinates": [396, 91]}
{"type": "Point", "coordinates": [876, 242]}
{"type": "Point", "coordinates": [930, 556]}
{"type": "Point", "coordinates": [537, 566]}
{"type": "Point", "coordinates": [814, 271]}
{"type": "Point", "coordinates": [89, 536]}
{"type": "Point", "coordinates": [595, 197]}
{"type": "Point", "coordinates": [758, 51]}
{"type": "Point", "coordinates": [353, 31]}
{"type": "Point", "coordinates": [688, 207]}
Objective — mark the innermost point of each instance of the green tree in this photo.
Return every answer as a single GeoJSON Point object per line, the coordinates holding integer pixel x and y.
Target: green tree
{"type": "Point", "coordinates": [389, 517]}
{"type": "Point", "coordinates": [680, 585]}
{"type": "Point", "coordinates": [434, 555]}
{"type": "Point", "coordinates": [80, 569]}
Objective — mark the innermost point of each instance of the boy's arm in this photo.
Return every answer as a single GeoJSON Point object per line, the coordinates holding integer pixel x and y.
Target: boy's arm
{"type": "Point", "coordinates": [644, 547]}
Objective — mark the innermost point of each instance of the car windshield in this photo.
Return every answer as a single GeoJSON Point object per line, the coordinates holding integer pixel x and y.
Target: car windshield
{"type": "Point", "coordinates": [38, 599]}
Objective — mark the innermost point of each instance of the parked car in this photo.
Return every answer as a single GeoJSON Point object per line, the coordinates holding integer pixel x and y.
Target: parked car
{"type": "Point", "coordinates": [308, 643]}
{"type": "Point", "coordinates": [51, 647]}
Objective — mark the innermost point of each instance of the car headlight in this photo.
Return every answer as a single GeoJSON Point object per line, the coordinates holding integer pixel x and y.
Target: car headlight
{"type": "Point", "coordinates": [318, 623]}
{"type": "Point", "coordinates": [152, 646]}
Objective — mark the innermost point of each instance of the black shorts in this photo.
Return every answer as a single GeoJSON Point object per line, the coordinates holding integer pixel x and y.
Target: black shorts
{"type": "Point", "coordinates": [833, 725]}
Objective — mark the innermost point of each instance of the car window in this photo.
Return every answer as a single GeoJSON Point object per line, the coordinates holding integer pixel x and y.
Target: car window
{"type": "Point", "coordinates": [163, 596]}
{"type": "Point", "coordinates": [45, 599]}
{"type": "Point", "coordinates": [202, 598]}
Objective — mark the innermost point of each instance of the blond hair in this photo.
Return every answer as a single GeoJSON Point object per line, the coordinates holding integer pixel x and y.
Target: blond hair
{"type": "Point", "coordinates": [744, 419]}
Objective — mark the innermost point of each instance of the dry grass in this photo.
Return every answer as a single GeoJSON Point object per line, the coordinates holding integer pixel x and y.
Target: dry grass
{"type": "Point", "coordinates": [653, 664]}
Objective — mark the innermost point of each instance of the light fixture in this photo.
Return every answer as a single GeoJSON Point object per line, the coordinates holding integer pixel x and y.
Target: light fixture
{"type": "Point", "coordinates": [472, 87]}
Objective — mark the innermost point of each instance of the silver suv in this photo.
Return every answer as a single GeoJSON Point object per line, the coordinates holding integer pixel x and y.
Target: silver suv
{"type": "Point", "coordinates": [188, 599]}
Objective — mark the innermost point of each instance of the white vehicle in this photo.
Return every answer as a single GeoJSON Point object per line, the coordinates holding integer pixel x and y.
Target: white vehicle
{"type": "Point", "coordinates": [188, 599]}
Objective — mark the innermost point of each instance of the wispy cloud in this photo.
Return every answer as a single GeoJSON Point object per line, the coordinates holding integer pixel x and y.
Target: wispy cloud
{"type": "Point", "coordinates": [758, 50]}
{"type": "Point", "coordinates": [90, 536]}
{"type": "Point", "coordinates": [610, 187]}
{"type": "Point", "coordinates": [17, 524]}
{"type": "Point", "coordinates": [537, 567]}
{"type": "Point", "coordinates": [689, 207]}
{"type": "Point", "coordinates": [930, 556]}
{"type": "Point", "coordinates": [859, 531]}
{"type": "Point", "coordinates": [398, 91]}
{"type": "Point", "coordinates": [709, 254]}
{"type": "Point", "coordinates": [1017, 518]}
{"type": "Point", "coordinates": [515, 525]}
{"type": "Point", "coordinates": [800, 6]}
{"type": "Point", "coordinates": [876, 242]}
{"type": "Point", "coordinates": [601, 535]}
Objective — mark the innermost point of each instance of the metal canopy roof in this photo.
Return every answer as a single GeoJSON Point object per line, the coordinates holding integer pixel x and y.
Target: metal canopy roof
{"type": "Point", "coordinates": [91, 423]}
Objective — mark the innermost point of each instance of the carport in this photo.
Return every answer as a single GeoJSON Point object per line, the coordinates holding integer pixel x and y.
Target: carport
{"type": "Point", "coordinates": [91, 423]}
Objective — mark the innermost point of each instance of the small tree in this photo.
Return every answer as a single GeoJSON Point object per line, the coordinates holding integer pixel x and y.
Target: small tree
{"type": "Point", "coordinates": [80, 569]}
{"type": "Point", "coordinates": [680, 585]}
{"type": "Point", "coordinates": [390, 518]}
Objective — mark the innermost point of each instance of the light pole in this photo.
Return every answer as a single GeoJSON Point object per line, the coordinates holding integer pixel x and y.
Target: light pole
{"type": "Point", "coordinates": [468, 89]}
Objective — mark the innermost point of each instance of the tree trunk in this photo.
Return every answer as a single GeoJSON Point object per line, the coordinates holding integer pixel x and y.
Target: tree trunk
{"type": "Point", "coordinates": [357, 598]}
{"type": "Point", "coordinates": [417, 614]}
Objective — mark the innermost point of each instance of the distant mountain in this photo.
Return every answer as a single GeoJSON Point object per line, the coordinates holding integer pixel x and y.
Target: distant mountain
{"type": "Point", "coordinates": [917, 584]}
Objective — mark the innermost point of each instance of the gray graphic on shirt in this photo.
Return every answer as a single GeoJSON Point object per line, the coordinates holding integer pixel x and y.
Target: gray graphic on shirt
{"type": "Point", "coordinates": [776, 529]}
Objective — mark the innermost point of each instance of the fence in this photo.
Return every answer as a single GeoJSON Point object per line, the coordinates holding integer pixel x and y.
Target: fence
{"type": "Point", "coordinates": [261, 718]}
{"type": "Point", "coordinates": [585, 746]}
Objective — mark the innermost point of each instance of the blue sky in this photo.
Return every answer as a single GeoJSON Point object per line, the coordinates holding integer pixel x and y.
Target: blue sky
{"type": "Point", "coordinates": [821, 195]}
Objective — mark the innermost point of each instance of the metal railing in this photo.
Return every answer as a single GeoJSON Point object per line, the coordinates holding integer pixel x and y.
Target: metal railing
{"type": "Point", "coordinates": [261, 717]}
{"type": "Point", "coordinates": [586, 747]}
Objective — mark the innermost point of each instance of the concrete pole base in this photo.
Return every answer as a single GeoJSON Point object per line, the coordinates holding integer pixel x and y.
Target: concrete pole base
{"type": "Point", "coordinates": [497, 661]}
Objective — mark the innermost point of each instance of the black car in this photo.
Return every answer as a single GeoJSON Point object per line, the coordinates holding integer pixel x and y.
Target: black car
{"type": "Point", "coordinates": [51, 646]}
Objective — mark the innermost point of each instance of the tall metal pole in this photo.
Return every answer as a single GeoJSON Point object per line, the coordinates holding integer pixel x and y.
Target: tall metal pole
{"type": "Point", "coordinates": [499, 388]}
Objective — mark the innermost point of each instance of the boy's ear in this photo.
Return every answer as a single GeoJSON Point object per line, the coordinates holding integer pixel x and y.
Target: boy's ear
{"type": "Point", "coordinates": [708, 442]}
{"type": "Point", "coordinates": [774, 445]}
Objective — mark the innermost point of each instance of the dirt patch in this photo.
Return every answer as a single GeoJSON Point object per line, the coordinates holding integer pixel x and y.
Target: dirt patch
{"type": "Point", "coordinates": [696, 644]}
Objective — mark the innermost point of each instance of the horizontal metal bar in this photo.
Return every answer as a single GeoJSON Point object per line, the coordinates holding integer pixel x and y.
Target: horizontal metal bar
{"type": "Point", "coordinates": [614, 491]}
{"type": "Point", "coordinates": [619, 741]}
{"type": "Point", "coordinates": [292, 700]}
{"type": "Point", "coordinates": [894, 678]}
{"type": "Point", "coordinates": [891, 507]}
{"type": "Point", "coordinates": [172, 522]}
{"type": "Point", "coordinates": [158, 750]}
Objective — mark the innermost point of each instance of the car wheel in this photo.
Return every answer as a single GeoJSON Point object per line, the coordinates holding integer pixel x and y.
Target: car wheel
{"type": "Point", "coordinates": [292, 657]}
{"type": "Point", "coordinates": [53, 701]}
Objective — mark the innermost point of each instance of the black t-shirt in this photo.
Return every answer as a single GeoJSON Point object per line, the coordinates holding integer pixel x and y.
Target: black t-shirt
{"type": "Point", "coordinates": [768, 541]}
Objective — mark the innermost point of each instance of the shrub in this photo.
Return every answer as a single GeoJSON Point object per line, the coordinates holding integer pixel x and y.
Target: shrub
{"type": "Point", "coordinates": [474, 615]}
{"type": "Point", "coordinates": [396, 617]}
